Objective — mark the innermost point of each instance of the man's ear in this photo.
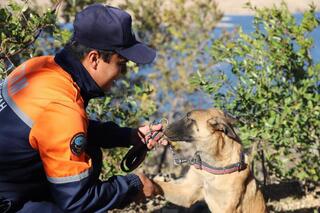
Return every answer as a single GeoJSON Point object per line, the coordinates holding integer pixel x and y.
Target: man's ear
{"type": "Point", "coordinates": [93, 58]}
{"type": "Point", "coordinates": [219, 124]}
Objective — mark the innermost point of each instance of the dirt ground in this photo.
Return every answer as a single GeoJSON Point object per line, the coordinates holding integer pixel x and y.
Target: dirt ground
{"type": "Point", "coordinates": [293, 202]}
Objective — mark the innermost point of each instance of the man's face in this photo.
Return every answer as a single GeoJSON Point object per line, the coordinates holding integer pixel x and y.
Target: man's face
{"type": "Point", "coordinates": [106, 72]}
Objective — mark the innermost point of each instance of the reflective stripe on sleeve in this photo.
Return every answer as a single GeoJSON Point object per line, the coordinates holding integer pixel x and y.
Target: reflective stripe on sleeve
{"type": "Point", "coordinates": [27, 120]}
{"type": "Point", "coordinates": [69, 179]}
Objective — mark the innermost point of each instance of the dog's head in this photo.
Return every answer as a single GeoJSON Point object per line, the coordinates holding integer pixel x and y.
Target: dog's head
{"type": "Point", "coordinates": [201, 125]}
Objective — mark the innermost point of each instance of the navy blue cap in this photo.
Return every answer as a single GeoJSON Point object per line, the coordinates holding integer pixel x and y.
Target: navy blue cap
{"type": "Point", "coordinates": [109, 28]}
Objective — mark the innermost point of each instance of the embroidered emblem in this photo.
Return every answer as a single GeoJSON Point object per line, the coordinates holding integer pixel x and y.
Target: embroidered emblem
{"type": "Point", "coordinates": [78, 144]}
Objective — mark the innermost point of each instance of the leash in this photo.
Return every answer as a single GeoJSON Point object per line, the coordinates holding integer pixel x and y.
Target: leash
{"type": "Point", "coordinates": [200, 164]}
{"type": "Point", "coordinates": [235, 167]}
{"type": "Point", "coordinates": [136, 155]}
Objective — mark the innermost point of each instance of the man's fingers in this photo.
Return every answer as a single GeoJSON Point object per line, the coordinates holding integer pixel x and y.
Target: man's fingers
{"type": "Point", "coordinates": [152, 135]}
{"type": "Point", "coordinates": [148, 188]}
{"type": "Point", "coordinates": [156, 127]}
{"type": "Point", "coordinates": [163, 142]}
{"type": "Point", "coordinates": [157, 136]}
{"type": "Point", "coordinates": [151, 144]}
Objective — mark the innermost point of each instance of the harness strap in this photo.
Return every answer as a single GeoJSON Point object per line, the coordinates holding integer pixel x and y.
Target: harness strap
{"type": "Point", "coordinates": [239, 166]}
{"type": "Point", "coordinates": [199, 164]}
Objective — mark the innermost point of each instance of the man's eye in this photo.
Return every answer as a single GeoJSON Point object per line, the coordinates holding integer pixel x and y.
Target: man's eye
{"type": "Point", "coordinates": [122, 63]}
{"type": "Point", "coordinates": [123, 69]}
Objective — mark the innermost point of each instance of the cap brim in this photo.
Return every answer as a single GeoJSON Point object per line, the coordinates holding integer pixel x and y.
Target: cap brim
{"type": "Point", "coordinates": [138, 53]}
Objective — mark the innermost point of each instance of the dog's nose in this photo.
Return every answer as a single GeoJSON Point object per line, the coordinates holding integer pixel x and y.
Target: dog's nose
{"type": "Point", "coordinates": [166, 131]}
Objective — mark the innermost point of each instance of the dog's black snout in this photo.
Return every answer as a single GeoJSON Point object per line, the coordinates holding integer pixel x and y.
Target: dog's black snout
{"type": "Point", "coordinates": [178, 131]}
{"type": "Point", "coordinates": [168, 131]}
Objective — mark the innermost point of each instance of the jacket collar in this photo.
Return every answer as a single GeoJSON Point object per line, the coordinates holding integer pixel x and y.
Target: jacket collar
{"type": "Point", "coordinates": [88, 87]}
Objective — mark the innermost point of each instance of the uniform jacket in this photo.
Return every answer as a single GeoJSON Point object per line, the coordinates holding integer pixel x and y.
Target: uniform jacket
{"type": "Point", "coordinates": [44, 130]}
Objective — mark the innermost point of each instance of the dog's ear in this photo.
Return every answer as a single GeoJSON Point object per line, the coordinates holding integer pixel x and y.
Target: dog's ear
{"type": "Point", "coordinates": [230, 118]}
{"type": "Point", "coordinates": [219, 124]}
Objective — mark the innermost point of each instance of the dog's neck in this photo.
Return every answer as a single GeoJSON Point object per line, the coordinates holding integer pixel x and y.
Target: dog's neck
{"type": "Point", "coordinates": [222, 151]}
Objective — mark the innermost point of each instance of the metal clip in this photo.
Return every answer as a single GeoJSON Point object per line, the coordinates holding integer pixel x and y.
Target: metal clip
{"type": "Point", "coordinates": [178, 161]}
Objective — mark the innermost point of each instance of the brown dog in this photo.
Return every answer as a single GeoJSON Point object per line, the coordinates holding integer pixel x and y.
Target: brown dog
{"type": "Point", "coordinates": [220, 173]}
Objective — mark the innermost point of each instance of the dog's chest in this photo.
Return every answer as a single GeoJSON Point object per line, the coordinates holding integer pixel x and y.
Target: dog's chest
{"type": "Point", "coordinates": [210, 185]}
{"type": "Point", "coordinates": [215, 184]}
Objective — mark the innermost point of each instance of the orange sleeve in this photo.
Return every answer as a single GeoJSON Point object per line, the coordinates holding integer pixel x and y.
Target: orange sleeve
{"type": "Point", "coordinates": [59, 134]}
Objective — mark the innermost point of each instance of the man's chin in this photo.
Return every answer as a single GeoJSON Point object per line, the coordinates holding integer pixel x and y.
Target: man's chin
{"type": "Point", "coordinates": [107, 87]}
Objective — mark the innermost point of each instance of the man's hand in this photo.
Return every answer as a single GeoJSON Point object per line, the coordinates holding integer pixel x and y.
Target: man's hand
{"type": "Point", "coordinates": [149, 188]}
{"type": "Point", "coordinates": [151, 135]}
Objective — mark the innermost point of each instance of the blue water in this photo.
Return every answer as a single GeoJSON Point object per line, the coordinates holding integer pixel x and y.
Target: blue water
{"type": "Point", "coordinates": [246, 23]}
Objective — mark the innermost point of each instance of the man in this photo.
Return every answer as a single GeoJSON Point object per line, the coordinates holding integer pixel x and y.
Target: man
{"type": "Point", "coordinates": [50, 156]}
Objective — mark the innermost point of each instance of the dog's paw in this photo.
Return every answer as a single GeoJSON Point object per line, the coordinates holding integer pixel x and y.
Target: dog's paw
{"type": "Point", "coordinates": [159, 178]}
{"type": "Point", "coordinates": [164, 177]}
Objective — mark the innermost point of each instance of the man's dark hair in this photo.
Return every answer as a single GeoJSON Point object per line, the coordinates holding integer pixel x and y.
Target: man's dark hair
{"type": "Point", "coordinates": [80, 51]}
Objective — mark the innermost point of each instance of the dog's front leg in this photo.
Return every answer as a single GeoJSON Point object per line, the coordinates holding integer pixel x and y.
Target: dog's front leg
{"type": "Point", "coordinates": [184, 191]}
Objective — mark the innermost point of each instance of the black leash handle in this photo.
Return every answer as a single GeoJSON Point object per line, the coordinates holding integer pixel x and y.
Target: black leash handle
{"type": "Point", "coordinates": [134, 157]}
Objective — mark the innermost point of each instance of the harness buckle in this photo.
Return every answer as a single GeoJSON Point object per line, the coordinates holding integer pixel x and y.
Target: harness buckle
{"type": "Point", "coordinates": [193, 161]}
{"type": "Point", "coordinates": [239, 166]}
{"type": "Point", "coordinates": [196, 160]}
{"type": "Point", "coordinates": [178, 161]}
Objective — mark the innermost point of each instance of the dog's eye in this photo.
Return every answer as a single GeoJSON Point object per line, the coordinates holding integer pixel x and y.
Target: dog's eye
{"type": "Point", "coordinates": [190, 120]}
{"type": "Point", "coordinates": [189, 116]}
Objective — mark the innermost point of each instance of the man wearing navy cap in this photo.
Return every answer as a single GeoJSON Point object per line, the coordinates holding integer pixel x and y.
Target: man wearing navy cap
{"type": "Point", "coordinates": [50, 157]}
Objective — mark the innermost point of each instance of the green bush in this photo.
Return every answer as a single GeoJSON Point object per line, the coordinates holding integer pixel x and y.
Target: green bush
{"type": "Point", "coordinates": [273, 86]}
{"type": "Point", "coordinates": [20, 26]}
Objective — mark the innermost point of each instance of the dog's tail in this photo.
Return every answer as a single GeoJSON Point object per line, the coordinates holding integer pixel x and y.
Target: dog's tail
{"type": "Point", "coordinates": [257, 150]}
{"type": "Point", "coordinates": [252, 152]}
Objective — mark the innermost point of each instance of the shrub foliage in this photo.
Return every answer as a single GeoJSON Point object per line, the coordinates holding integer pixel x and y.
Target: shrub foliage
{"type": "Point", "coordinates": [269, 79]}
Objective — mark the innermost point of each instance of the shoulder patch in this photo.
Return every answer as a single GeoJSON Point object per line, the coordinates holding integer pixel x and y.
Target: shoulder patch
{"type": "Point", "coordinates": [78, 144]}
